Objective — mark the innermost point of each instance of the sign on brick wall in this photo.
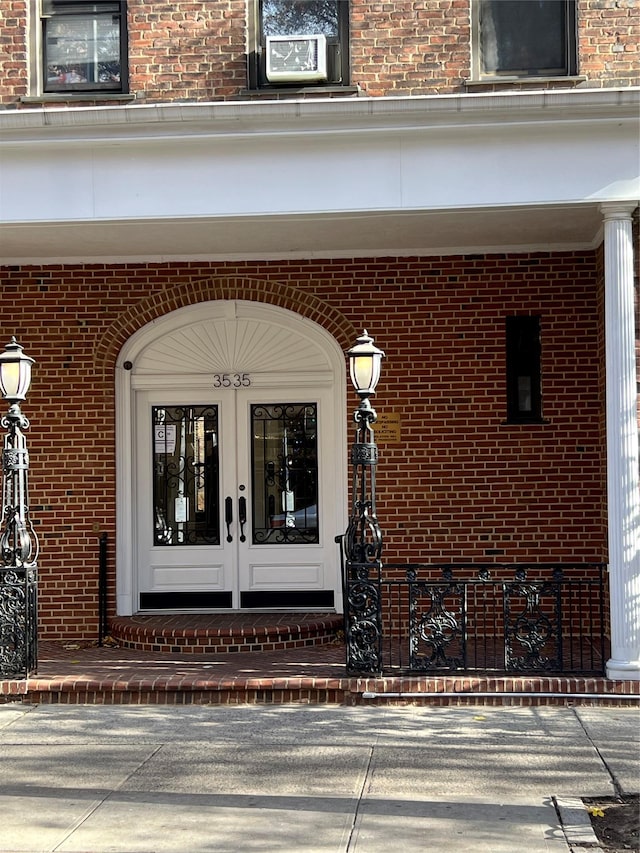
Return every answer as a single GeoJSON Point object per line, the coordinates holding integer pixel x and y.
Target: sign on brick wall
{"type": "Point", "coordinates": [387, 428]}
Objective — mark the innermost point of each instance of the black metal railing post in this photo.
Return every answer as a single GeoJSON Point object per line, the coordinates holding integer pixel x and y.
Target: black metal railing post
{"type": "Point", "coordinates": [102, 589]}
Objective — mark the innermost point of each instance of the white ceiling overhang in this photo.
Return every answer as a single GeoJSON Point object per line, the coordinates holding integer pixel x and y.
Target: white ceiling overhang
{"type": "Point", "coordinates": [325, 178]}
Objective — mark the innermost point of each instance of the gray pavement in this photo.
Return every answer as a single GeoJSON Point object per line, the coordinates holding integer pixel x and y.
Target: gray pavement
{"type": "Point", "coordinates": [154, 779]}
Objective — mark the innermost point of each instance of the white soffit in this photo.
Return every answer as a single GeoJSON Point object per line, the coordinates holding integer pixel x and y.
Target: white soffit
{"type": "Point", "coordinates": [328, 236]}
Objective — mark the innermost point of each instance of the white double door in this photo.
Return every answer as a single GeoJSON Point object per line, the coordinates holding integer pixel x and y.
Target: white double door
{"type": "Point", "coordinates": [233, 495]}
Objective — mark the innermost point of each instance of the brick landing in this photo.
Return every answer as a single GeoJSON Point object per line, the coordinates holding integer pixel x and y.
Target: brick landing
{"type": "Point", "coordinates": [72, 673]}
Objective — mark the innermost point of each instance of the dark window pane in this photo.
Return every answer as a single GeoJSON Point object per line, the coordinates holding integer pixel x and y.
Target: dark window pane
{"type": "Point", "coordinates": [524, 400]}
{"type": "Point", "coordinates": [523, 36]}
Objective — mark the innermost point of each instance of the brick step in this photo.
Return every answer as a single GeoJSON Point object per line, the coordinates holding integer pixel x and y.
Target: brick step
{"type": "Point", "coordinates": [87, 673]}
{"type": "Point", "coordinates": [225, 633]}
{"type": "Point", "coordinates": [157, 688]}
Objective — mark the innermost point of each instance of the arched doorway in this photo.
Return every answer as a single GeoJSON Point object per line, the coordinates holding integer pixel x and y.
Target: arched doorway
{"type": "Point", "coordinates": [231, 462]}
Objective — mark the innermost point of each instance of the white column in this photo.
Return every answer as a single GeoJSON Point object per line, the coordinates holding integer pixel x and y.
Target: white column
{"type": "Point", "coordinates": [623, 488]}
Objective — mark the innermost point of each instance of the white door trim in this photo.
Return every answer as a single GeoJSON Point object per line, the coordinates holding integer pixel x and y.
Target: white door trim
{"type": "Point", "coordinates": [156, 354]}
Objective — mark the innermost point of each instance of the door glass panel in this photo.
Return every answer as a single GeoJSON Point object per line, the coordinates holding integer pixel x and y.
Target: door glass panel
{"type": "Point", "coordinates": [186, 475]}
{"type": "Point", "coordinates": [284, 483]}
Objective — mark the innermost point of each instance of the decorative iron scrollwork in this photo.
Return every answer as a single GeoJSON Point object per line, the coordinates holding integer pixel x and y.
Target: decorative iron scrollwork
{"type": "Point", "coordinates": [436, 634]}
{"type": "Point", "coordinates": [532, 635]}
{"type": "Point", "coordinates": [18, 541]}
{"type": "Point", "coordinates": [364, 639]}
{"type": "Point", "coordinates": [15, 459]}
{"type": "Point", "coordinates": [18, 615]}
{"type": "Point", "coordinates": [364, 453]}
{"type": "Point", "coordinates": [186, 475]}
{"type": "Point", "coordinates": [285, 465]}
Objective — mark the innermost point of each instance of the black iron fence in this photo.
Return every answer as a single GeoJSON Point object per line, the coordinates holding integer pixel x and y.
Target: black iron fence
{"type": "Point", "coordinates": [425, 618]}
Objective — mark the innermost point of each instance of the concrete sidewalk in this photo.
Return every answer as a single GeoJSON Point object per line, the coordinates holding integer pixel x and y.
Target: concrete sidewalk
{"type": "Point", "coordinates": [155, 779]}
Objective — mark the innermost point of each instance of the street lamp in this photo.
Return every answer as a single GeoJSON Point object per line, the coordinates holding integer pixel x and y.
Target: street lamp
{"type": "Point", "coordinates": [365, 361]}
{"type": "Point", "coordinates": [18, 541]}
{"type": "Point", "coordinates": [363, 537]}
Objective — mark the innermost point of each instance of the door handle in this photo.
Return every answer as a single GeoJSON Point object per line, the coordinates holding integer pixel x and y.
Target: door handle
{"type": "Point", "coordinates": [228, 517]}
{"type": "Point", "coordinates": [242, 517]}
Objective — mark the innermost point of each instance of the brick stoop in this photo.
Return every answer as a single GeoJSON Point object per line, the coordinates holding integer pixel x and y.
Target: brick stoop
{"type": "Point", "coordinates": [76, 674]}
{"type": "Point", "coordinates": [224, 633]}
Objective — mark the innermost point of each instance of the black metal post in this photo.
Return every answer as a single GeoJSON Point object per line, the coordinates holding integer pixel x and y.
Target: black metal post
{"type": "Point", "coordinates": [362, 552]}
{"type": "Point", "coordinates": [102, 590]}
{"type": "Point", "coordinates": [19, 553]}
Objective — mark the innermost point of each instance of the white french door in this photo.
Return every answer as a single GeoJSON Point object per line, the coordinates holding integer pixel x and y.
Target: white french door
{"type": "Point", "coordinates": [232, 503]}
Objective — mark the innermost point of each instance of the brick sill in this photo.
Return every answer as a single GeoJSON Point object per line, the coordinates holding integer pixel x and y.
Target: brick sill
{"type": "Point", "coordinates": [283, 92]}
{"type": "Point", "coordinates": [526, 422]}
{"type": "Point", "coordinates": [76, 97]}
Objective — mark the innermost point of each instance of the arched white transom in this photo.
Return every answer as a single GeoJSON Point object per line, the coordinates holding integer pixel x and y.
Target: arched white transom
{"type": "Point", "coordinates": [231, 336]}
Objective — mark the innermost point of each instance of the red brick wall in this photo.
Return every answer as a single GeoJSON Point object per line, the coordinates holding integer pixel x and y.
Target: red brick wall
{"type": "Point", "coordinates": [13, 51]}
{"type": "Point", "coordinates": [192, 51]}
{"type": "Point", "coordinates": [408, 48]}
{"type": "Point", "coordinates": [196, 51]}
{"type": "Point", "coordinates": [462, 485]}
{"type": "Point", "coordinates": [608, 38]}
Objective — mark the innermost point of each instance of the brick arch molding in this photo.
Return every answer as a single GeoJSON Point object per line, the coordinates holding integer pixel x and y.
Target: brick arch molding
{"type": "Point", "coordinates": [275, 293]}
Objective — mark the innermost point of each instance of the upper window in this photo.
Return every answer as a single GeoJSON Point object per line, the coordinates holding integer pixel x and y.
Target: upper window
{"type": "Point", "coordinates": [300, 42]}
{"type": "Point", "coordinates": [522, 38]}
{"type": "Point", "coordinates": [524, 393]}
{"type": "Point", "coordinates": [84, 46]}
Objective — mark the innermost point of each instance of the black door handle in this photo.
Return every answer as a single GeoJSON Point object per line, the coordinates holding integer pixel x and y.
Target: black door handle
{"type": "Point", "coordinates": [242, 517]}
{"type": "Point", "coordinates": [228, 517]}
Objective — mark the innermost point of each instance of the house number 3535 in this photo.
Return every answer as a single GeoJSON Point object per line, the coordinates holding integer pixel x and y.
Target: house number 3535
{"type": "Point", "coordinates": [231, 380]}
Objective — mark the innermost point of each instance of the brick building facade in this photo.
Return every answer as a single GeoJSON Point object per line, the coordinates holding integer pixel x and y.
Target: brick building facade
{"type": "Point", "coordinates": [198, 51]}
{"type": "Point", "coordinates": [430, 185]}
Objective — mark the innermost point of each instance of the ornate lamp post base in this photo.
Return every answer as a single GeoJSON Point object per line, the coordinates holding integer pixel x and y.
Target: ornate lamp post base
{"type": "Point", "coordinates": [18, 541]}
{"type": "Point", "coordinates": [18, 622]}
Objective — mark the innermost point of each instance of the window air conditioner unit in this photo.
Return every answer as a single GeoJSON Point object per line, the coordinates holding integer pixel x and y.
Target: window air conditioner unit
{"type": "Point", "coordinates": [296, 58]}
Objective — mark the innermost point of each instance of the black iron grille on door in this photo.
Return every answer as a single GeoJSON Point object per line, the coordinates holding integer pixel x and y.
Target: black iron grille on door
{"type": "Point", "coordinates": [421, 618]}
{"type": "Point", "coordinates": [284, 473]}
{"type": "Point", "coordinates": [186, 475]}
